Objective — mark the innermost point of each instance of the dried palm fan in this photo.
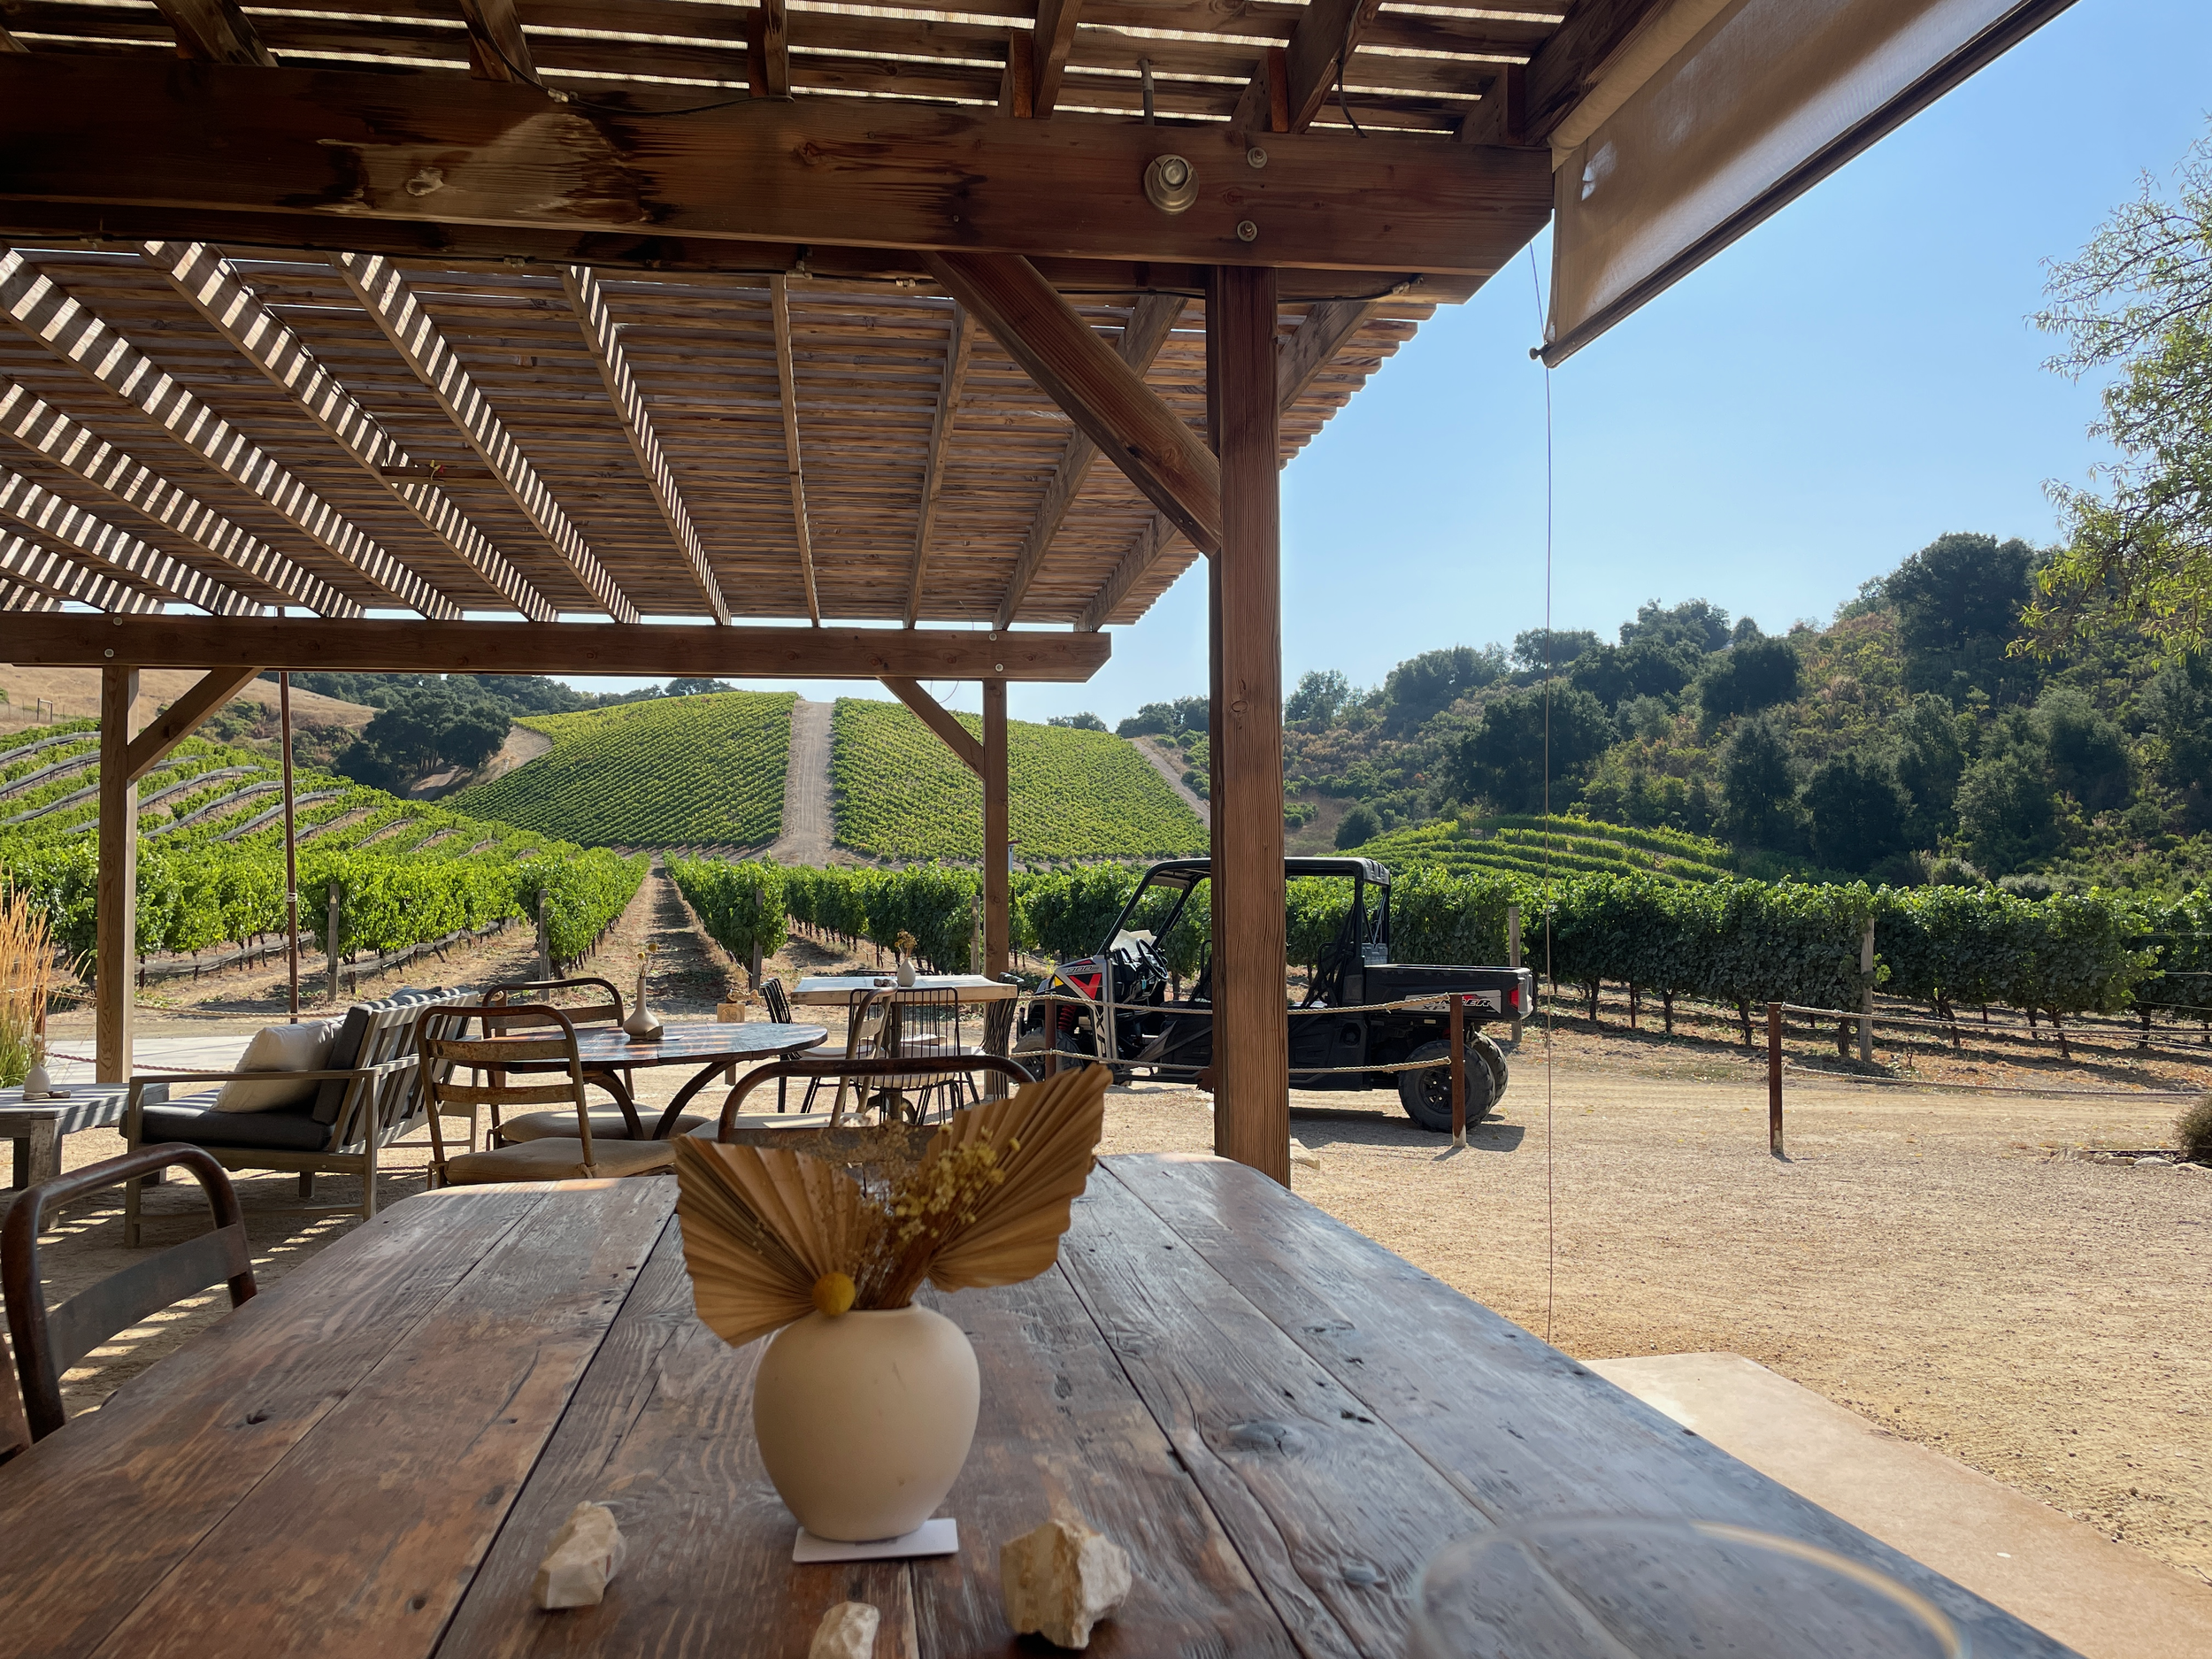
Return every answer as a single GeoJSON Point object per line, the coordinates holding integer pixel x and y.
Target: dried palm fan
{"type": "Point", "coordinates": [769, 1233]}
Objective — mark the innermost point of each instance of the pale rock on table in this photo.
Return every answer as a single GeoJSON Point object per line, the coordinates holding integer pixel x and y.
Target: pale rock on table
{"type": "Point", "coordinates": [586, 1552]}
{"type": "Point", "coordinates": [847, 1631]}
{"type": "Point", "coordinates": [1062, 1579]}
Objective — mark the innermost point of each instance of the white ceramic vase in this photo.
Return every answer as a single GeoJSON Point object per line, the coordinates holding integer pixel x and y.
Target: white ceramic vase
{"type": "Point", "coordinates": [37, 1083]}
{"type": "Point", "coordinates": [864, 1419]}
{"type": "Point", "coordinates": [906, 972]}
{"type": "Point", "coordinates": [641, 1022]}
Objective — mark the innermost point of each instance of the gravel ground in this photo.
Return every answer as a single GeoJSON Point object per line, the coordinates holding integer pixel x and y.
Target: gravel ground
{"type": "Point", "coordinates": [1952, 1266]}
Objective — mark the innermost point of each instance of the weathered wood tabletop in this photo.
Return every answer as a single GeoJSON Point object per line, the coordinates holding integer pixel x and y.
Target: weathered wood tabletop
{"type": "Point", "coordinates": [1281, 1421]}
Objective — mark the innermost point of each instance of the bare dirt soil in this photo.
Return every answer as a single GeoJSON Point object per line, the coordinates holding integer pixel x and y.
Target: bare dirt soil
{"type": "Point", "coordinates": [1955, 1266]}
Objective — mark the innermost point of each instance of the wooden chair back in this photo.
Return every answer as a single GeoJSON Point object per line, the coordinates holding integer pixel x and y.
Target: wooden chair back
{"type": "Point", "coordinates": [863, 1071]}
{"type": "Point", "coordinates": [15, 1428]}
{"type": "Point", "coordinates": [389, 1099]}
{"type": "Point", "coordinates": [489, 1059]}
{"type": "Point", "coordinates": [48, 1342]}
{"type": "Point", "coordinates": [603, 1008]}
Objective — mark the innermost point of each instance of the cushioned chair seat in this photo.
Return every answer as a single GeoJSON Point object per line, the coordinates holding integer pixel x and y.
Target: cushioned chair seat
{"type": "Point", "coordinates": [559, 1158]}
{"type": "Point", "coordinates": [286, 1129]}
{"type": "Point", "coordinates": [605, 1125]}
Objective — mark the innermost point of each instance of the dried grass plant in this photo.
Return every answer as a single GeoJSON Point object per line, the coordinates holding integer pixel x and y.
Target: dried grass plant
{"type": "Point", "coordinates": [27, 979]}
{"type": "Point", "coordinates": [770, 1235]}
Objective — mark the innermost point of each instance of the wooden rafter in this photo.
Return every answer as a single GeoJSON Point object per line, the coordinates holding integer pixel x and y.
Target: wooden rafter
{"type": "Point", "coordinates": [604, 340]}
{"type": "Point", "coordinates": [38, 306]}
{"type": "Point", "coordinates": [1287, 93]}
{"type": "Point", "coordinates": [1100, 392]}
{"type": "Point", "coordinates": [39, 426]}
{"type": "Point", "coordinates": [1049, 46]}
{"type": "Point", "coordinates": [1502, 118]}
{"type": "Point", "coordinates": [337, 147]}
{"type": "Point", "coordinates": [1567, 68]}
{"type": "Point", "coordinates": [215, 32]}
{"type": "Point", "coordinates": [213, 287]}
{"type": "Point", "coordinates": [22, 596]}
{"type": "Point", "coordinates": [115, 551]}
{"type": "Point", "coordinates": [391, 305]}
{"type": "Point", "coordinates": [1151, 319]}
{"type": "Point", "coordinates": [959, 348]}
{"type": "Point", "coordinates": [497, 51]}
{"type": "Point", "coordinates": [768, 50]}
{"type": "Point", "coordinates": [371, 644]}
{"type": "Point", "coordinates": [182, 718]}
{"type": "Point", "coordinates": [1328, 327]}
{"type": "Point", "coordinates": [788, 383]}
{"type": "Point", "coordinates": [9, 44]}
{"type": "Point", "coordinates": [940, 720]}
{"type": "Point", "coordinates": [38, 569]}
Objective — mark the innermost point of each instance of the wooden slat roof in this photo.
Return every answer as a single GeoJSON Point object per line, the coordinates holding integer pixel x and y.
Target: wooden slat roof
{"type": "Point", "coordinates": [869, 363]}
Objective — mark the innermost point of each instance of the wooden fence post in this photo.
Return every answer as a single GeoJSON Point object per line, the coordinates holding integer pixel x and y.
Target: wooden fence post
{"type": "Point", "coordinates": [330, 937]}
{"type": "Point", "coordinates": [1774, 1079]}
{"type": "Point", "coordinates": [545, 941]}
{"type": "Point", "coordinates": [1866, 993]}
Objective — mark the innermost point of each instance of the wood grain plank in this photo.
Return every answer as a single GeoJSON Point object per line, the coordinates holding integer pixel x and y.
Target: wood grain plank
{"type": "Point", "coordinates": [182, 1446]}
{"type": "Point", "coordinates": [362, 1540]}
{"type": "Point", "coordinates": [1062, 1435]}
{"type": "Point", "coordinates": [661, 1430]}
{"type": "Point", "coordinates": [1517, 1427]}
{"type": "Point", "coordinates": [1333, 1514]}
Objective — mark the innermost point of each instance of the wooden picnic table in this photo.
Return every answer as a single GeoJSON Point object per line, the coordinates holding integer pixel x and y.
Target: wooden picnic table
{"type": "Point", "coordinates": [1277, 1418]}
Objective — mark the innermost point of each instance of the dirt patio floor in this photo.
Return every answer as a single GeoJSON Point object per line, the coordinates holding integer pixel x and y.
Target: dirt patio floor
{"type": "Point", "coordinates": [1952, 1266]}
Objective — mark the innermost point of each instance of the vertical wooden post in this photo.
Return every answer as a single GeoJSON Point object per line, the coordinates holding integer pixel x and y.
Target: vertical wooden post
{"type": "Point", "coordinates": [1458, 1039]}
{"type": "Point", "coordinates": [1251, 1058]}
{"type": "Point", "coordinates": [291, 849]}
{"type": "Point", "coordinates": [997, 882]}
{"type": "Point", "coordinates": [115, 921]}
{"type": "Point", "coordinates": [334, 917]}
{"type": "Point", "coordinates": [1866, 993]}
{"type": "Point", "coordinates": [1774, 1079]}
{"type": "Point", "coordinates": [545, 941]}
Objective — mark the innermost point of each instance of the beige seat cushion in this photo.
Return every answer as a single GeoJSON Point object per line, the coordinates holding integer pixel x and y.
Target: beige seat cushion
{"type": "Point", "coordinates": [559, 1158]}
{"type": "Point", "coordinates": [605, 1125]}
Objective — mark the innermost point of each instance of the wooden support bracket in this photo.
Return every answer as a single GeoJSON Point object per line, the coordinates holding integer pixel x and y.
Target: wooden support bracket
{"type": "Point", "coordinates": [183, 716]}
{"type": "Point", "coordinates": [941, 720]}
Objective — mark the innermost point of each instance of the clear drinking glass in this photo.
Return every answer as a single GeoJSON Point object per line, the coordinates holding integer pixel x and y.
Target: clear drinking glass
{"type": "Point", "coordinates": [1606, 1587]}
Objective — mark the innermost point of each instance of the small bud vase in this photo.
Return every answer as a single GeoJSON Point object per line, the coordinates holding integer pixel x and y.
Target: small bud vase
{"type": "Point", "coordinates": [865, 1418]}
{"type": "Point", "coordinates": [906, 973]}
{"type": "Point", "coordinates": [641, 1025]}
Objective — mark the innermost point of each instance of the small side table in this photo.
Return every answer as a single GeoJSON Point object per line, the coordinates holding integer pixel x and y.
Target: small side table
{"type": "Point", "coordinates": [37, 1127]}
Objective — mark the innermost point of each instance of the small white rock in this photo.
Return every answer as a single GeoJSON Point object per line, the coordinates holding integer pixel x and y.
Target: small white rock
{"type": "Point", "coordinates": [1301, 1155]}
{"type": "Point", "coordinates": [1060, 1580]}
{"type": "Point", "coordinates": [847, 1631]}
{"type": "Point", "coordinates": [586, 1552]}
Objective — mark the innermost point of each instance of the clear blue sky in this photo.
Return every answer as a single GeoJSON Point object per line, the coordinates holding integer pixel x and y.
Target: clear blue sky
{"type": "Point", "coordinates": [1855, 377]}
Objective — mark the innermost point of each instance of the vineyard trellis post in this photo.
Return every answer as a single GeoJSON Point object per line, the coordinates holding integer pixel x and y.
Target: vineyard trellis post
{"type": "Point", "coordinates": [1513, 954]}
{"type": "Point", "coordinates": [335, 915]}
{"type": "Point", "coordinates": [1774, 1079]}
{"type": "Point", "coordinates": [1866, 993]}
{"type": "Point", "coordinates": [546, 970]}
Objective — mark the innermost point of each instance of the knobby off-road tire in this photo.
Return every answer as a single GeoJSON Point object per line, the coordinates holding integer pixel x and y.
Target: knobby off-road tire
{"type": "Point", "coordinates": [1426, 1094]}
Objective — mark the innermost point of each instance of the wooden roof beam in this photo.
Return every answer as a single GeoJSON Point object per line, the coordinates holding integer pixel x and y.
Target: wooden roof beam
{"type": "Point", "coordinates": [9, 44]}
{"type": "Point", "coordinates": [1299, 361]}
{"type": "Point", "coordinates": [768, 51]}
{"type": "Point", "coordinates": [787, 384]}
{"type": "Point", "coordinates": [38, 305]}
{"type": "Point", "coordinates": [497, 50]}
{"type": "Point", "coordinates": [215, 32]}
{"type": "Point", "coordinates": [1151, 320]}
{"type": "Point", "coordinates": [959, 348]}
{"type": "Point", "coordinates": [1287, 90]}
{"type": "Point", "coordinates": [603, 338]}
{"type": "Point", "coordinates": [1566, 68]}
{"type": "Point", "coordinates": [39, 426]}
{"type": "Point", "coordinates": [940, 720]}
{"type": "Point", "coordinates": [1052, 39]}
{"type": "Point", "coordinates": [391, 305]}
{"type": "Point", "coordinates": [1088, 377]}
{"type": "Point", "coordinates": [121, 554]}
{"type": "Point", "coordinates": [338, 152]}
{"type": "Point", "coordinates": [213, 287]}
{"type": "Point", "coordinates": [372, 644]}
{"type": "Point", "coordinates": [32, 567]}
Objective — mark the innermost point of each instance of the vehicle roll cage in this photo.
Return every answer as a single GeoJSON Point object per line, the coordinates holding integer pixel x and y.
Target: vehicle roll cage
{"type": "Point", "coordinates": [1183, 875]}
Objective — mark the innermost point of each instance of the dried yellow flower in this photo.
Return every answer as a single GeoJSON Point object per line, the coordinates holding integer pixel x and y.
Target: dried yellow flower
{"type": "Point", "coordinates": [833, 1294]}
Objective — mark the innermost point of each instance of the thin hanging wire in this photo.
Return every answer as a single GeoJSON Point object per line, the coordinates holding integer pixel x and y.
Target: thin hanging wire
{"type": "Point", "coordinates": [1551, 1231]}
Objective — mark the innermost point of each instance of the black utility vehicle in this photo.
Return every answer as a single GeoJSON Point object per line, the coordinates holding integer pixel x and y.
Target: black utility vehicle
{"type": "Point", "coordinates": [1176, 1038]}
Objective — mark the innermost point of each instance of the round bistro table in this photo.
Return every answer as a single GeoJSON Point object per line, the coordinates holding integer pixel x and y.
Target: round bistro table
{"type": "Point", "coordinates": [610, 1055]}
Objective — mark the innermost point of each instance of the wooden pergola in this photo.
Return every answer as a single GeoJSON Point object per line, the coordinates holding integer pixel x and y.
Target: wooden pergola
{"type": "Point", "coordinates": [482, 335]}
